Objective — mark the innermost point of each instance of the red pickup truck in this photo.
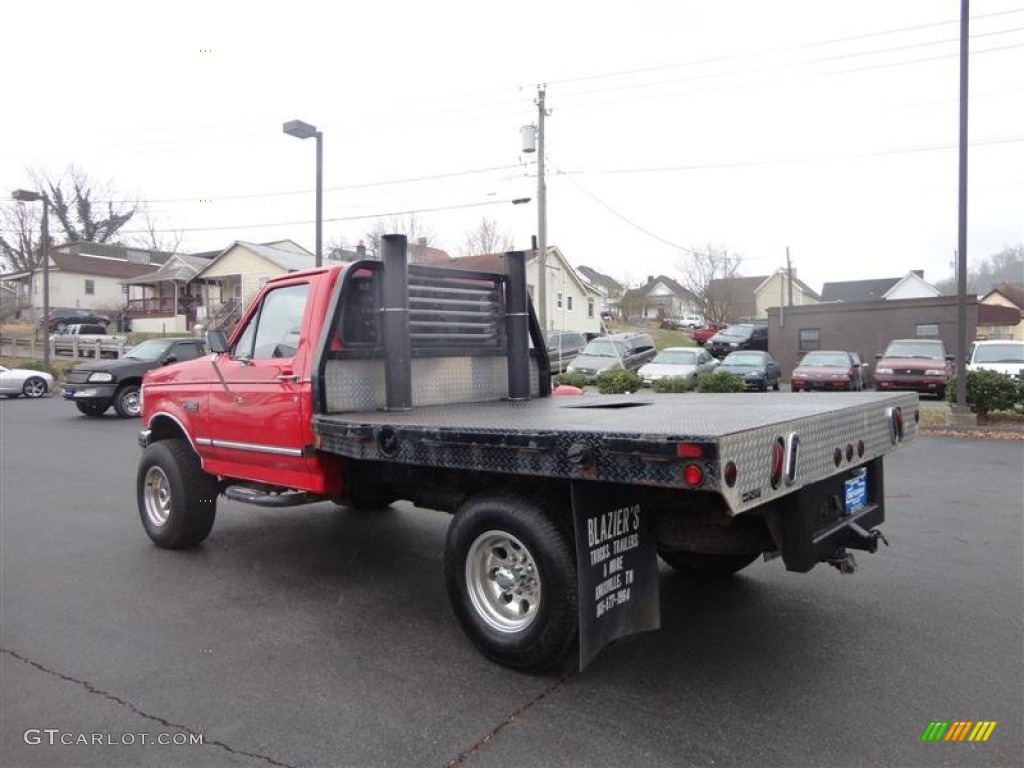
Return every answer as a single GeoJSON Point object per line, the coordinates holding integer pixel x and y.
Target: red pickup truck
{"type": "Point", "coordinates": [701, 335]}
{"type": "Point", "coordinates": [373, 382]}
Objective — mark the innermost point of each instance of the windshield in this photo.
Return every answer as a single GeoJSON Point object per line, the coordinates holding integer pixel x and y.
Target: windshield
{"type": "Point", "coordinates": [604, 348]}
{"type": "Point", "coordinates": [737, 331]}
{"type": "Point", "coordinates": [924, 349]}
{"type": "Point", "coordinates": [999, 353]}
{"type": "Point", "coordinates": [826, 359]}
{"type": "Point", "coordinates": [149, 350]}
{"type": "Point", "coordinates": [744, 358]}
{"type": "Point", "coordinates": [676, 357]}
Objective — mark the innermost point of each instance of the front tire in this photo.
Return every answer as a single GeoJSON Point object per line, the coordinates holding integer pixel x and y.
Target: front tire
{"type": "Point", "coordinates": [34, 387]}
{"type": "Point", "coordinates": [511, 578]}
{"type": "Point", "coordinates": [704, 565]}
{"type": "Point", "coordinates": [177, 500]}
{"type": "Point", "coordinates": [127, 401]}
{"type": "Point", "coordinates": [92, 408]}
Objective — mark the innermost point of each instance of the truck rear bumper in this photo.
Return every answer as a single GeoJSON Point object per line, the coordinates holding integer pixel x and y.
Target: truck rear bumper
{"type": "Point", "coordinates": [819, 521]}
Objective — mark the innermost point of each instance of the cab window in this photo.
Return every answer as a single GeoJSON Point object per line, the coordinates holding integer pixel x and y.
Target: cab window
{"type": "Point", "coordinates": [274, 330]}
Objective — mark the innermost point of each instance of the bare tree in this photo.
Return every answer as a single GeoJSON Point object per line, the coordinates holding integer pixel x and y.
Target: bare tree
{"type": "Point", "coordinates": [699, 268]}
{"type": "Point", "coordinates": [413, 228]}
{"type": "Point", "coordinates": [21, 250]}
{"type": "Point", "coordinates": [87, 211]}
{"type": "Point", "coordinates": [1006, 266]}
{"type": "Point", "coordinates": [486, 238]}
{"type": "Point", "coordinates": [155, 239]}
{"type": "Point", "coordinates": [80, 209]}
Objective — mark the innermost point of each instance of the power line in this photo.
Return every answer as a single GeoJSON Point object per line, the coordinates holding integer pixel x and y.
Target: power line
{"type": "Point", "coordinates": [786, 161]}
{"type": "Point", "coordinates": [785, 49]}
{"type": "Point", "coordinates": [335, 219]}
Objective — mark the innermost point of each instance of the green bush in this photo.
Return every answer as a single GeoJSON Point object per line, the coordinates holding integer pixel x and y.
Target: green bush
{"type": "Point", "coordinates": [617, 381]}
{"type": "Point", "coordinates": [572, 379]}
{"type": "Point", "coordinates": [720, 382]}
{"type": "Point", "coordinates": [674, 384]}
{"type": "Point", "coordinates": [989, 391]}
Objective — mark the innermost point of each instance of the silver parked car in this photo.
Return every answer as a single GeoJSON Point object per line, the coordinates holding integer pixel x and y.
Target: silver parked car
{"type": "Point", "coordinates": [678, 362]}
{"type": "Point", "coordinates": [15, 382]}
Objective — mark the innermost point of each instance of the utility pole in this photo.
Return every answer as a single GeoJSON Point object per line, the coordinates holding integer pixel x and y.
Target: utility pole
{"type": "Point", "coordinates": [542, 216]}
{"type": "Point", "coordinates": [789, 278]}
{"type": "Point", "coordinates": [961, 256]}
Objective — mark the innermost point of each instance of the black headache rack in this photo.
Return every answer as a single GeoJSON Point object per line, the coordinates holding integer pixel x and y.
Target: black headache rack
{"type": "Point", "coordinates": [394, 311]}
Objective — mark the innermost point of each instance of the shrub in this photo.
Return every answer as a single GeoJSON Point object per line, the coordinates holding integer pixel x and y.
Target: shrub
{"type": "Point", "coordinates": [674, 384]}
{"type": "Point", "coordinates": [720, 381]}
{"type": "Point", "coordinates": [989, 391]}
{"type": "Point", "coordinates": [572, 379]}
{"type": "Point", "coordinates": [618, 381]}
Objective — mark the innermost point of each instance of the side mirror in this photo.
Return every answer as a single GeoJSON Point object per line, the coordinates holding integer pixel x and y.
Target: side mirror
{"type": "Point", "coordinates": [217, 341]}
{"type": "Point", "coordinates": [878, 355]}
{"type": "Point", "coordinates": [172, 358]}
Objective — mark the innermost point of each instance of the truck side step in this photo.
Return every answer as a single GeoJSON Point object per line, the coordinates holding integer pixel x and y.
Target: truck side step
{"type": "Point", "coordinates": [267, 497]}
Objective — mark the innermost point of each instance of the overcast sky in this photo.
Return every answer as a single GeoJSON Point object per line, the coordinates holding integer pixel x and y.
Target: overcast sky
{"type": "Point", "coordinates": [827, 127]}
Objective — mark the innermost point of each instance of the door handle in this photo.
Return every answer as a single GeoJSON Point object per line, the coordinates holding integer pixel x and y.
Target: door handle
{"type": "Point", "coordinates": [292, 377]}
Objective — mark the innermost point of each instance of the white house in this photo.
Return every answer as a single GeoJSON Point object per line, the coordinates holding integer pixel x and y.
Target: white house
{"type": "Point", "coordinates": [777, 289]}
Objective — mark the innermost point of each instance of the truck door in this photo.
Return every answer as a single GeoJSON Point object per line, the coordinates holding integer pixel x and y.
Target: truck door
{"type": "Point", "coordinates": [260, 408]}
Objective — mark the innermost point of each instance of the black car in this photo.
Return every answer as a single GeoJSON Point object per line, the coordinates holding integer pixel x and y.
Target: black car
{"type": "Point", "coordinates": [94, 387]}
{"type": "Point", "coordinates": [742, 336]}
{"type": "Point", "coordinates": [563, 346]}
{"type": "Point", "coordinates": [757, 369]}
{"type": "Point", "coordinates": [61, 317]}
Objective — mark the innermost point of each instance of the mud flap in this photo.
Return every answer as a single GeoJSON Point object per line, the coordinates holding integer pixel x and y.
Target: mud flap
{"type": "Point", "coordinates": [616, 563]}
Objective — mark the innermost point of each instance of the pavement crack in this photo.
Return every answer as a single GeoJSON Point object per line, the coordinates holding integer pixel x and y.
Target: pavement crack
{"type": "Point", "coordinates": [487, 737]}
{"type": "Point", "coordinates": [135, 710]}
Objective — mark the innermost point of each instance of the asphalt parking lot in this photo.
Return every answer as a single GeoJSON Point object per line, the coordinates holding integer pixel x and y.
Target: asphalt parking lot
{"type": "Point", "coordinates": [314, 636]}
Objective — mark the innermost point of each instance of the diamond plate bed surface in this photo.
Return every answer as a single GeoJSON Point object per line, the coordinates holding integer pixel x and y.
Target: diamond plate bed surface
{"type": "Point", "coordinates": [708, 415]}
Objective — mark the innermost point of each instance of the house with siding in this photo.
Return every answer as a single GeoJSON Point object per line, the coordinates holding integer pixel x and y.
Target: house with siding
{"type": "Point", "coordinates": [1004, 325]}
{"type": "Point", "coordinates": [782, 289]}
{"type": "Point", "coordinates": [658, 298]}
{"type": "Point", "coordinates": [911, 286]}
{"type": "Point", "coordinates": [234, 276]}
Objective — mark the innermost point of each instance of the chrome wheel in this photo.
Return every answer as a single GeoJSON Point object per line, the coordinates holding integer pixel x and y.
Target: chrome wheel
{"type": "Point", "coordinates": [34, 387]}
{"type": "Point", "coordinates": [128, 402]}
{"type": "Point", "coordinates": [502, 581]}
{"type": "Point", "coordinates": [157, 496]}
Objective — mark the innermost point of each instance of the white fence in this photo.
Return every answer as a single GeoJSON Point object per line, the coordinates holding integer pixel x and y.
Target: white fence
{"type": "Point", "coordinates": [76, 348]}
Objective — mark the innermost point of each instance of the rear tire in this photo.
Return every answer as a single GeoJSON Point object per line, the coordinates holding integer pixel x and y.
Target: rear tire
{"type": "Point", "coordinates": [127, 402]}
{"type": "Point", "coordinates": [511, 578]}
{"type": "Point", "coordinates": [177, 500]}
{"type": "Point", "coordinates": [703, 565]}
{"type": "Point", "coordinates": [92, 408]}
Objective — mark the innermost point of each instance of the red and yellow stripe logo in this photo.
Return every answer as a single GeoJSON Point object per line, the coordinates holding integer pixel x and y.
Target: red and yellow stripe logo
{"type": "Point", "coordinates": [958, 730]}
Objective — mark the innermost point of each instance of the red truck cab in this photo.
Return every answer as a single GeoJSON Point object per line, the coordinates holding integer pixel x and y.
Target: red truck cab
{"type": "Point", "coordinates": [247, 407]}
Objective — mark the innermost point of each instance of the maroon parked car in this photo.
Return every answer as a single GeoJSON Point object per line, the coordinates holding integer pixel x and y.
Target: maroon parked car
{"type": "Point", "coordinates": [918, 365]}
{"type": "Point", "coordinates": [828, 371]}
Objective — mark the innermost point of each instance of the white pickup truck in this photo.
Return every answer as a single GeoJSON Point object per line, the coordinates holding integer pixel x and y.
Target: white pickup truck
{"type": "Point", "coordinates": [86, 340]}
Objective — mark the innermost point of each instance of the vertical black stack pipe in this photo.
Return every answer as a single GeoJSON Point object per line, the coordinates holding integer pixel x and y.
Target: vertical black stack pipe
{"type": "Point", "coordinates": [395, 324]}
{"type": "Point", "coordinates": [517, 327]}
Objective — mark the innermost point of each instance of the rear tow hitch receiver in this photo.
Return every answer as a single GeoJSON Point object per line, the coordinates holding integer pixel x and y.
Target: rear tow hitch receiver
{"type": "Point", "coordinates": [866, 540]}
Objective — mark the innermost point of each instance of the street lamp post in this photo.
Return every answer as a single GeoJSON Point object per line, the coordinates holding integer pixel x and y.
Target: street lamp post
{"type": "Point", "coordinates": [28, 196]}
{"type": "Point", "coordinates": [301, 130]}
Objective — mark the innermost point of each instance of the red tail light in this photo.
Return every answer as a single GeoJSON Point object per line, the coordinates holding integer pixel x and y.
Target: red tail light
{"type": "Point", "coordinates": [693, 475]}
{"type": "Point", "coordinates": [778, 459]}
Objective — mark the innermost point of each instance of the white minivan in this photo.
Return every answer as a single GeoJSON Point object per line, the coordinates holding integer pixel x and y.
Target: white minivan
{"type": "Point", "coordinates": [996, 355]}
